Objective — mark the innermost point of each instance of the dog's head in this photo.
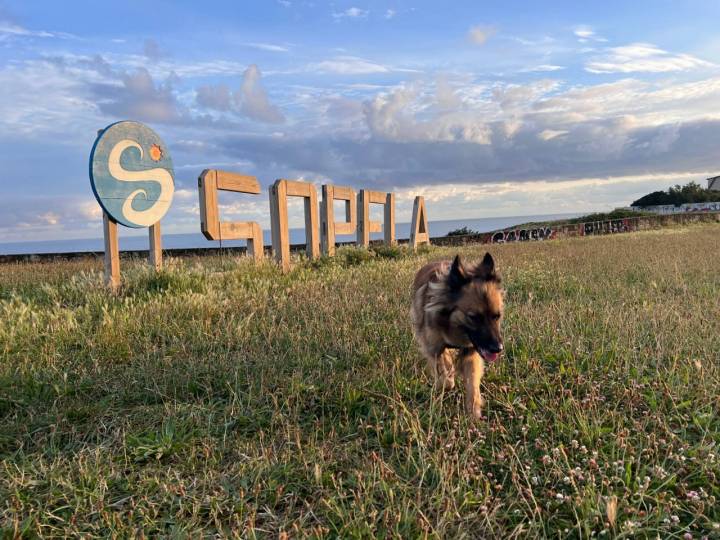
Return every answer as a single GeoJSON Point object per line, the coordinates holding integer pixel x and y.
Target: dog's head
{"type": "Point", "coordinates": [478, 304]}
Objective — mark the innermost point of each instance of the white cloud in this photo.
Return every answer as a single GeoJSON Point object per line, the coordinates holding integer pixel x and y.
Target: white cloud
{"type": "Point", "coordinates": [390, 13]}
{"type": "Point", "coordinates": [254, 101]}
{"type": "Point", "coordinates": [26, 218]}
{"type": "Point", "coordinates": [217, 97]}
{"type": "Point", "coordinates": [586, 33]}
{"type": "Point", "coordinates": [151, 49]}
{"type": "Point", "coordinates": [480, 34]}
{"type": "Point", "coordinates": [271, 47]}
{"type": "Point", "coordinates": [544, 68]}
{"type": "Point", "coordinates": [500, 199]}
{"type": "Point", "coordinates": [548, 134]}
{"type": "Point", "coordinates": [43, 97]}
{"type": "Point", "coordinates": [250, 100]}
{"type": "Point", "coordinates": [348, 65]}
{"type": "Point", "coordinates": [185, 194]}
{"type": "Point", "coordinates": [139, 97]}
{"type": "Point", "coordinates": [643, 57]}
{"type": "Point", "coordinates": [397, 116]}
{"type": "Point", "coordinates": [11, 29]}
{"type": "Point", "coordinates": [351, 13]}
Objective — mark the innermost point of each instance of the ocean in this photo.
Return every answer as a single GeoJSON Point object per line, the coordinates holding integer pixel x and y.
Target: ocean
{"type": "Point", "coordinates": [132, 240]}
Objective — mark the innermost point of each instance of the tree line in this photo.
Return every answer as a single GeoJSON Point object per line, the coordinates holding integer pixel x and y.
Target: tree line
{"type": "Point", "coordinates": [677, 195]}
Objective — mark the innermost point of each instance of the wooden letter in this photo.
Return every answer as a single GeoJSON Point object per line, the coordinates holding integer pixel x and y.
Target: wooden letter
{"type": "Point", "coordinates": [366, 225]}
{"type": "Point", "coordinates": [328, 226]}
{"type": "Point", "coordinates": [279, 192]}
{"type": "Point", "coordinates": [419, 228]}
{"type": "Point", "coordinates": [209, 183]}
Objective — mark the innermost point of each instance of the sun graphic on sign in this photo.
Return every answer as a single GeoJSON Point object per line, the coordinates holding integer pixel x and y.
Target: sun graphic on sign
{"type": "Point", "coordinates": [156, 152]}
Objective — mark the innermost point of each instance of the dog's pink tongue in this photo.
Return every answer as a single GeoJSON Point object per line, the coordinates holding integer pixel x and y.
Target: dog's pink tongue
{"type": "Point", "coordinates": [490, 356]}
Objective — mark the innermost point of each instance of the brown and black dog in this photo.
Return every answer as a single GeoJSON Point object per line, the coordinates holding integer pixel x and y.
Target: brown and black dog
{"type": "Point", "coordinates": [458, 307]}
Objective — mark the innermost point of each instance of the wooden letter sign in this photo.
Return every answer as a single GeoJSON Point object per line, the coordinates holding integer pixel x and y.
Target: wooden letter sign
{"type": "Point", "coordinates": [209, 183]}
{"type": "Point", "coordinates": [329, 227]}
{"type": "Point", "coordinates": [131, 175]}
{"type": "Point", "coordinates": [419, 233]}
{"type": "Point", "coordinates": [279, 192]}
{"type": "Point", "coordinates": [366, 226]}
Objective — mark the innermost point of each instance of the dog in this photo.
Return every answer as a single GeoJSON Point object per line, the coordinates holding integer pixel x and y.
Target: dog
{"type": "Point", "coordinates": [458, 307]}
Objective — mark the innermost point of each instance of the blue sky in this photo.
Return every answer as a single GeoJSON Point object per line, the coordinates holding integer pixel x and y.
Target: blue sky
{"type": "Point", "coordinates": [486, 108]}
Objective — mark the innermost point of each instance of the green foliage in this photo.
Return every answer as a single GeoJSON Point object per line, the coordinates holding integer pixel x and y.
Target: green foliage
{"type": "Point", "coordinates": [462, 231]}
{"type": "Point", "coordinates": [618, 213]}
{"type": "Point", "coordinates": [224, 399]}
{"type": "Point", "coordinates": [353, 256]}
{"type": "Point", "coordinates": [691, 192]}
{"type": "Point", "coordinates": [391, 252]}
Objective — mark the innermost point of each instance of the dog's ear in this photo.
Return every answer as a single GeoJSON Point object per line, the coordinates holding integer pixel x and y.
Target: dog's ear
{"type": "Point", "coordinates": [486, 269]}
{"type": "Point", "coordinates": [457, 276]}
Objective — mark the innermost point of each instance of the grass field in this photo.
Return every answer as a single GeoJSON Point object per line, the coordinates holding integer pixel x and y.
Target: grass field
{"type": "Point", "coordinates": [219, 399]}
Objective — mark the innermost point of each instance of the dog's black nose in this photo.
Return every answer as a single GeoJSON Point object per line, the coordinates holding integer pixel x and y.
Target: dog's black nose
{"type": "Point", "coordinates": [496, 348]}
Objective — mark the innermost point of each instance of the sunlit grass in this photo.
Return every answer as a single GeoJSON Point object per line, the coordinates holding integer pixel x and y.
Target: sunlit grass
{"type": "Point", "coordinates": [218, 398]}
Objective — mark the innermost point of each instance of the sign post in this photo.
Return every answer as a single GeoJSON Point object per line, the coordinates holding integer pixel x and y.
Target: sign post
{"type": "Point", "coordinates": [131, 176]}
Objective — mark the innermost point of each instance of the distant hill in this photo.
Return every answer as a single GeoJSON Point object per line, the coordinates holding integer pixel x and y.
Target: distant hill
{"type": "Point", "coordinates": [677, 195]}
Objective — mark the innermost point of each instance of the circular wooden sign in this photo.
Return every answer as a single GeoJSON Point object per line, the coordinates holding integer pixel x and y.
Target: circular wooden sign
{"type": "Point", "coordinates": [131, 174]}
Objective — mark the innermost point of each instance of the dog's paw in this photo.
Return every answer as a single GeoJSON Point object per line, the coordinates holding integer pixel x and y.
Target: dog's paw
{"type": "Point", "coordinates": [475, 406]}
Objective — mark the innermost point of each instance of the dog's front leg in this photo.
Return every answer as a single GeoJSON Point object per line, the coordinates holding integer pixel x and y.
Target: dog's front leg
{"type": "Point", "coordinates": [472, 370]}
{"type": "Point", "coordinates": [445, 370]}
{"type": "Point", "coordinates": [440, 367]}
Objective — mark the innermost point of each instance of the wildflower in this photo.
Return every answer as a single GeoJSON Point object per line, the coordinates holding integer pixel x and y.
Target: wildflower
{"type": "Point", "coordinates": [546, 459]}
{"type": "Point", "coordinates": [674, 519]}
{"type": "Point", "coordinates": [560, 497]}
{"type": "Point", "coordinates": [687, 536]}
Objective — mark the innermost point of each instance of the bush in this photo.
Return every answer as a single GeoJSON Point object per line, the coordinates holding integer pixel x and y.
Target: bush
{"type": "Point", "coordinates": [390, 252]}
{"type": "Point", "coordinates": [463, 231]}
{"type": "Point", "coordinates": [354, 256]}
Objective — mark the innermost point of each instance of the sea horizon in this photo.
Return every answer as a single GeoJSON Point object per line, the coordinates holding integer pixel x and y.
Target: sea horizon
{"type": "Point", "coordinates": [196, 240]}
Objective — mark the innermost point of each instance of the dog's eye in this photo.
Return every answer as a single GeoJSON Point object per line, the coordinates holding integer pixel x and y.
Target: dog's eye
{"type": "Point", "coordinates": [495, 316]}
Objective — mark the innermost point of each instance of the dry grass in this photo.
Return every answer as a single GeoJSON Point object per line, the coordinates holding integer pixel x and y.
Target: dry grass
{"type": "Point", "coordinates": [221, 399]}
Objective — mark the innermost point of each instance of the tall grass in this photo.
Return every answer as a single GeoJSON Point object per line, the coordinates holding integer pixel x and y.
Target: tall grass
{"type": "Point", "coordinates": [221, 399]}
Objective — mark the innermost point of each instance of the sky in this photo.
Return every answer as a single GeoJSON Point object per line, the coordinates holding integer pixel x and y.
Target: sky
{"type": "Point", "coordinates": [487, 108]}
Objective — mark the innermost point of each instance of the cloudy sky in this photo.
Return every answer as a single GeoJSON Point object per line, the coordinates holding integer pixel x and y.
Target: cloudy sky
{"type": "Point", "coordinates": [487, 108]}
